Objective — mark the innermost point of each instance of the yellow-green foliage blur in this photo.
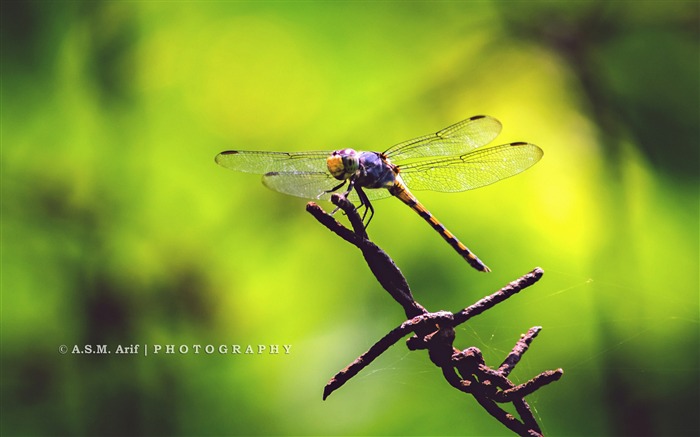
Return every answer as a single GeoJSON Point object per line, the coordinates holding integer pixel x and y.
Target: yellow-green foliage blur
{"type": "Point", "coordinates": [119, 229]}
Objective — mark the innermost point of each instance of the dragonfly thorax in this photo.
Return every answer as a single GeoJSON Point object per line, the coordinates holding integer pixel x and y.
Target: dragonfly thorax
{"type": "Point", "coordinates": [343, 164]}
{"type": "Point", "coordinates": [376, 171]}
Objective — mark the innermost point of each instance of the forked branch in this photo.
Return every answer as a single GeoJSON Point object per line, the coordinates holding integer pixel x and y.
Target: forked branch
{"type": "Point", "coordinates": [434, 332]}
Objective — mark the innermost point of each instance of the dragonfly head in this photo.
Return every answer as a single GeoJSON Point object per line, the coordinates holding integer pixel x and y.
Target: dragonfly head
{"type": "Point", "coordinates": [342, 164]}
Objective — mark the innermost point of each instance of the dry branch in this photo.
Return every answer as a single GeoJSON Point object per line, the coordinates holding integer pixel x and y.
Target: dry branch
{"type": "Point", "coordinates": [434, 332]}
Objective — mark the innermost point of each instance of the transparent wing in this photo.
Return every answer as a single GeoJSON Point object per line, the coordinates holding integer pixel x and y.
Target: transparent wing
{"type": "Point", "coordinates": [309, 185]}
{"type": "Point", "coordinates": [265, 162]}
{"type": "Point", "coordinates": [314, 185]}
{"type": "Point", "coordinates": [454, 140]}
{"type": "Point", "coordinates": [301, 174]}
{"type": "Point", "coordinates": [471, 170]}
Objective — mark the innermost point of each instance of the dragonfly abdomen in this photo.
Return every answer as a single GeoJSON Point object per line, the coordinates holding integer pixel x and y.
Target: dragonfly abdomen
{"type": "Point", "coordinates": [399, 190]}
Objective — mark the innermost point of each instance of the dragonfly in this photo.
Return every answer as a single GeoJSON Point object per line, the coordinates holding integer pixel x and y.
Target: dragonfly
{"type": "Point", "coordinates": [453, 159]}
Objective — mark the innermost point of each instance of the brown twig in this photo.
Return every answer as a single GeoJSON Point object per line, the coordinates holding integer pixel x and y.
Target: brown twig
{"type": "Point", "coordinates": [434, 332]}
{"type": "Point", "coordinates": [379, 262]}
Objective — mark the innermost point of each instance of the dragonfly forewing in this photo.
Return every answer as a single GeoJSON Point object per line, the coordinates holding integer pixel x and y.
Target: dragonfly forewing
{"type": "Point", "coordinates": [457, 139]}
{"type": "Point", "coordinates": [265, 162]}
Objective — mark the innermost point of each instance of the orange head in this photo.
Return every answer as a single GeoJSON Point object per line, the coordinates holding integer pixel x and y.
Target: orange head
{"type": "Point", "coordinates": [342, 164]}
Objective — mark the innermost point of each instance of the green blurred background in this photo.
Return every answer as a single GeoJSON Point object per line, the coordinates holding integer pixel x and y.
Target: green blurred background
{"type": "Point", "coordinates": [118, 228]}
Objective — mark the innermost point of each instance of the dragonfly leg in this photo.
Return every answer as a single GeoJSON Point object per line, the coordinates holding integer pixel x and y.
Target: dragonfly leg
{"type": "Point", "coordinates": [337, 187]}
{"type": "Point", "coordinates": [364, 201]}
{"type": "Point", "coordinates": [345, 194]}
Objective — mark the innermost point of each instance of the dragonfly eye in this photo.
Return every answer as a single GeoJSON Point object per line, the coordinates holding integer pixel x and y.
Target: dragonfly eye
{"type": "Point", "coordinates": [342, 164]}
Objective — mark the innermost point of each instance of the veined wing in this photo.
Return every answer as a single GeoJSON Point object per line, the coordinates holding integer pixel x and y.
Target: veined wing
{"type": "Point", "coordinates": [265, 162]}
{"type": "Point", "coordinates": [314, 185]}
{"type": "Point", "coordinates": [457, 139]}
{"type": "Point", "coordinates": [301, 174]}
{"type": "Point", "coordinates": [471, 170]}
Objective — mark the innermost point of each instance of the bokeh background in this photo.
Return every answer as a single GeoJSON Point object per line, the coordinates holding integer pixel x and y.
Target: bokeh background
{"type": "Point", "coordinates": [118, 228]}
